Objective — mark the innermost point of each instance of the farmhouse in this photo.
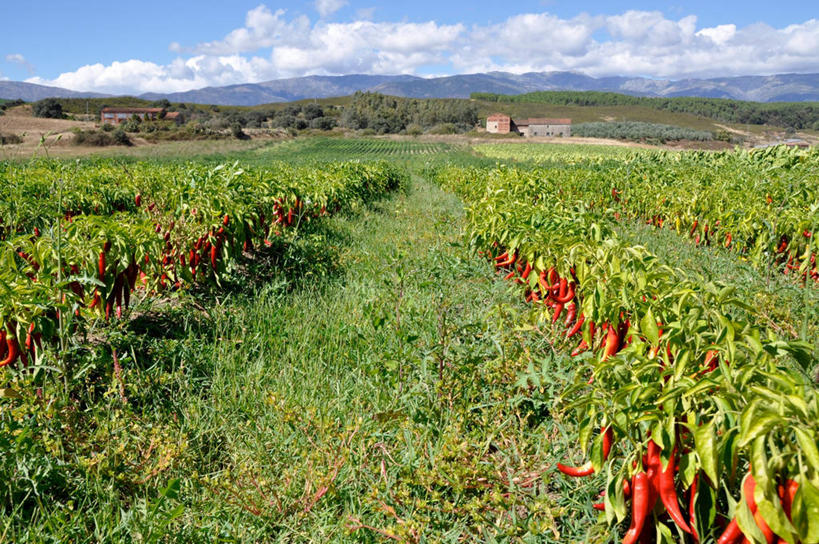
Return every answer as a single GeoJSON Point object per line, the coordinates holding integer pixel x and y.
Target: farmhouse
{"type": "Point", "coordinates": [115, 116]}
{"type": "Point", "coordinates": [499, 123]}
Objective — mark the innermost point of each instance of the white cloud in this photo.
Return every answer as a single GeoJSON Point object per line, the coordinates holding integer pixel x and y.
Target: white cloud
{"type": "Point", "coordinates": [272, 44]}
{"type": "Point", "coordinates": [262, 29]}
{"type": "Point", "coordinates": [719, 34]}
{"type": "Point", "coordinates": [328, 7]}
{"type": "Point", "coordinates": [17, 58]}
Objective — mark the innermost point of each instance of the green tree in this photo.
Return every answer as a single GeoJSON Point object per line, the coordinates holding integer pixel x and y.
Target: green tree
{"type": "Point", "coordinates": [49, 108]}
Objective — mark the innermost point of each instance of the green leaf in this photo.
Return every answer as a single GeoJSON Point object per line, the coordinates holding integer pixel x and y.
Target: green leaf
{"type": "Point", "coordinates": [648, 326]}
{"type": "Point", "coordinates": [705, 441]}
{"type": "Point", "coordinates": [758, 426]}
{"type": "Point", "coordinates": [805, 512]}
{"type": "Point", "coordinates": [808, 445]}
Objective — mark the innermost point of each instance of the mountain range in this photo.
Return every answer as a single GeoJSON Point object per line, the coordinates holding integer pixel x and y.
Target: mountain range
{"type": "Point", "coordinates": [776, 88]}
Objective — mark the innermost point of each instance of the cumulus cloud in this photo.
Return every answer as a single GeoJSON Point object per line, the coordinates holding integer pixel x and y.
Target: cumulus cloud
{"type": "Point", "coordinates": [328, 7]}
{"type": "Point", "coordinates": [272, 44]}
{"type": "Point", "coordinates": [17, 58]}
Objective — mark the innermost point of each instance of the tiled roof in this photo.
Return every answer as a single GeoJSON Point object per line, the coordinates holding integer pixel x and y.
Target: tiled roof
{"type": "Point", "coordinates": [131, 110]}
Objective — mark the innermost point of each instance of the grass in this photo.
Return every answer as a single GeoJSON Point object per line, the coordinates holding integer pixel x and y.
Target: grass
{"type": "Point", "coordinates": [366, 383]}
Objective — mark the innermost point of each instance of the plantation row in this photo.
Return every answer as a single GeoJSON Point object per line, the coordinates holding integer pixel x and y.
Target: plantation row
{"type": "Point", "coordinates": [704, 424]}
{"type": "Point", "coordinates": [375, 148]}
{"type": "Point", "coordinates": [77, 242]}
{"type": "Point", "coordinates": [761, 203]}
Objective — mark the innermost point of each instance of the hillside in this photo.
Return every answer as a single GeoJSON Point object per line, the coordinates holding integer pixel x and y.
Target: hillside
{"type": "Point", "coordinates": [776, 88]}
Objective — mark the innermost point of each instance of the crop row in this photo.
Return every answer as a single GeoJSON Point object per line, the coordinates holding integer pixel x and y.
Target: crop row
{"type": "Point", "coordinates": [704, 425]}
{"type": "Point", "coordinates": [762, 204]}
{"type": "Point", "coordinates": [77, 241]}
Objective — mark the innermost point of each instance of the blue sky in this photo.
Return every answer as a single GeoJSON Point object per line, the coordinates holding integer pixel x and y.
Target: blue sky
{"type": "Point", "coordinates": [170, 46]}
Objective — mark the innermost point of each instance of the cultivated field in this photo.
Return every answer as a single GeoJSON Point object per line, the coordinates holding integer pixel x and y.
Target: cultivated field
{"type": "Point", "coordinates": [410, 340]}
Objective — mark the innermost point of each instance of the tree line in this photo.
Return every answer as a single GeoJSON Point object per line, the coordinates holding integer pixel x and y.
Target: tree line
{"type": "Point", "coordinates": [797, 115]}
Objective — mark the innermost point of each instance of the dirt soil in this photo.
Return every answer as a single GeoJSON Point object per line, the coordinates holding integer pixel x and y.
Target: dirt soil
{"type": "Point", "coordinates": [20, 121]}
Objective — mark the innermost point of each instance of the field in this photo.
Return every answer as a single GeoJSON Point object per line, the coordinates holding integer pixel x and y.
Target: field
{"type": "Point", "coordinates": [372, 340]}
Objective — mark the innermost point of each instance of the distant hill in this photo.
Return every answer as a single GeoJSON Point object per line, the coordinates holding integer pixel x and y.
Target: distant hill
{"type": "Point", "coordinates": [282, 90]}
{"type": "Point", "coordinates": [30, 92]}
{"type": "Point", "coordinates": [777, 88]}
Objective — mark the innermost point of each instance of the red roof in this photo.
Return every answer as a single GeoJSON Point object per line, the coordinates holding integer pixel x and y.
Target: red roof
{"type": "Point", "coordinates": [172, 115]}
{"type": "Point", "coordinates": [498, 117]}
{"type": "Point", "coordinates": [131, 110]}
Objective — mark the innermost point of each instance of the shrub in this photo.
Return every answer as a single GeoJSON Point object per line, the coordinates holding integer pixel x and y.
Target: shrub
{"type": "Point", "coordinates": [312, 111]}
{"type": "Point", "coordinates": [49, 108]}
{"type": "Point", "coordinates": [284, 121]}
{"type": "Point", "coordinates": [131, 125]}
{"type": "Point", "coordinates": [414, 129]}
{"type": "Point", "coordinates": [120, 138]}
{"type": "Point", "coordinates": [6, 139]}
{"type": "Point", "coordinates": [323, 123]}
{"type": "Point", "coordinates": [444, 128]}
{"type": "Point", "coordinates": [101, 138]}
{"type": "Point", "coordinates": [237, 132]}
{"type": "Point", "coordinates": [634, 130]}
{"type": "Point", "coordinates": [108, 127]}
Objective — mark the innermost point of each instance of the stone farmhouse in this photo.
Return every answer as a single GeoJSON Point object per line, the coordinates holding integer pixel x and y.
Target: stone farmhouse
{"type": "Point", "coordinates": [499, 123]}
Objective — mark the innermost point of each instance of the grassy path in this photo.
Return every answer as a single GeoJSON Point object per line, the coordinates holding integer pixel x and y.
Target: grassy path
{"type": "Point", "coordinates": [381, 404]}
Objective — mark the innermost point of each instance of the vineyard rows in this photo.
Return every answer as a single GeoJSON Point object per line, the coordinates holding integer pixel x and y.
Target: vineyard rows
{"type": "Point", "coordinates": [332, 148]}
{"type": "Point", "coordinates": [704, 423]}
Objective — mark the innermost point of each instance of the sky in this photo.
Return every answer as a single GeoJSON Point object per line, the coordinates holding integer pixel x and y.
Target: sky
{"type": "Point", "coordinates": [153, 46]}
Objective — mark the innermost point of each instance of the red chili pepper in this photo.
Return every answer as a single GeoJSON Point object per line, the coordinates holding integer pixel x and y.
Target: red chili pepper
{"type": "Point", "coordinates": [577, 326]}
{"type": "Point", "coordinates": [711, 361]}
{"type": "Point", "coordinates": [641, 505]}
{"type": "Point", "coordinates": [102, 264]}
{"type": "Point", "coordinates": [599, 506]}
{"type": "Point", "coordinates": [558, 311]}
{"type": "Point", "coordinates": [553, 275]}
{"type": "Point", "coordinates": [583, 346]}
{"type": "Point", "coordinates": [226, 220]}
{"type": "Point", "coordinates": [668, 492]}
{"type": "Point", "coordinates": [567, 294]}
{"type": "Point", "coordinates": [526, 271]}
{"type": "Point", "coordinates": [611, 345]}
{"type": "Point", "coordinates": [787, 495]}
{"type": "Point", "coordinates": [510, 275]}
{"type": "Point", "coordinates": [748, 487]}
{"type": "Point", "coordinates": [509, 261]}
{"type": "Point", "coordinates": [608, 437]}
{"type": "Point", "coordinates": [13, 351]}
{"type": "Point", "coordinates": [213, 256]}
{"type": "Point", "coordinates": [731, 534]}
{"type": "Point", "coordinates": [138, 200]}
{"type": "Point", "coordinates": [571, 313]}
{"type": "Point", "coordinates": [576, 472]}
